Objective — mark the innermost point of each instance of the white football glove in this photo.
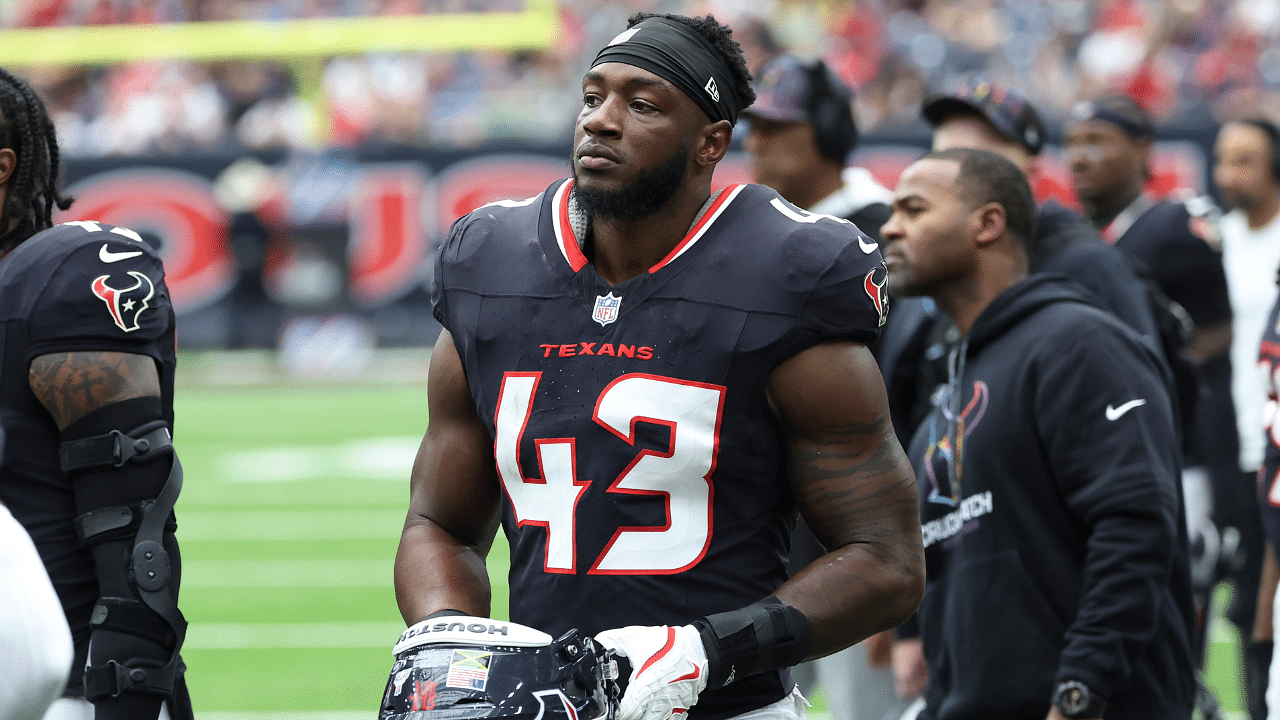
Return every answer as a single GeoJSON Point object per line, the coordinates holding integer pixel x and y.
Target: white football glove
{"type": "Point", "coordinates": [668, 669]}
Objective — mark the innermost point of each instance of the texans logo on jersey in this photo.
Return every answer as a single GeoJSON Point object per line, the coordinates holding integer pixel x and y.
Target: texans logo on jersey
{"type": "Point", "coordinates": [125, 304]}
{"type": "Point", "coordinates": [878, 291]}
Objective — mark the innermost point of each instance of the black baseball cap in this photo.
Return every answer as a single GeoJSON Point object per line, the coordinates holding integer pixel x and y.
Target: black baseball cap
{"type": "Point", "coordinates": [784, 91]}
{"type": "Point", "coordinates": [1119, 110]}
{"type": "Point", "coordinates": [1006, 109]}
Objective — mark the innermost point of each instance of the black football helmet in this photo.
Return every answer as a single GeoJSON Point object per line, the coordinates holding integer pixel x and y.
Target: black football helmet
{"type": "Point", "coordinates": [462, 667]}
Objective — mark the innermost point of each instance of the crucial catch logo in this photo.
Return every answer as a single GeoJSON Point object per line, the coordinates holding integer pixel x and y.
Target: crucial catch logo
{"type": "Point", "coordinates": [951, 524]}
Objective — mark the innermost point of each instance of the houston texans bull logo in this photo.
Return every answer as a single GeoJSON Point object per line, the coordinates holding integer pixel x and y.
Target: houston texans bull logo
{"type": "Point", "coordinates": [125, 304]}
{"type": "Point", "coordinates": [877, 291]}
{"type": "Point", "coordinates": [944, 460]}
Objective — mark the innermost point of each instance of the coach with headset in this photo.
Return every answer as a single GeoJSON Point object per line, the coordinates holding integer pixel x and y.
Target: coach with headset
{"type": "Point", "coordinates": [800, 133]}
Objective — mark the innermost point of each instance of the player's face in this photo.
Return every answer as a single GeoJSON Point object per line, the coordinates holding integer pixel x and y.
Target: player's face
{"type": "Point", "coordinates": [971, 131]}
{"type": "Point", "coordinates": [632, 140]}
{"type": "Point", "coordinates": [783, 154]}
{"type": "Point", "coordinates": [1103, 159]}
{"type": "Point", "coordinates": [1242, 168]}
{"type": "Point", "coordinates": [928, 239]}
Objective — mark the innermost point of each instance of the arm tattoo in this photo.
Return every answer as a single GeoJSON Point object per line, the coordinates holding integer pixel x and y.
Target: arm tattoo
{"type": "Point", "coordinates": [73, 384]}
{"type": "Point", "coordinates": [857, 473]}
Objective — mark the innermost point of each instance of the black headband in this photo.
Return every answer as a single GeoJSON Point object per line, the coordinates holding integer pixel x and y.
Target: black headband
{"type": "Point", "coordinates": [1131, 127]}
{"type": "Point", "coordinates": [676, 53]}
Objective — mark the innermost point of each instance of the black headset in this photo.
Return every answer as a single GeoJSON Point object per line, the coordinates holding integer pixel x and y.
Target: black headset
{"type": "Point", "coordinates": [831, 113]}
{"type": "Point", "coordinates": [1272, 132]}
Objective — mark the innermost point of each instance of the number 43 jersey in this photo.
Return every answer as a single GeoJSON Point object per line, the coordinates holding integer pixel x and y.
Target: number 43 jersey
{"type": "Point", "coordinates": [643, 472]}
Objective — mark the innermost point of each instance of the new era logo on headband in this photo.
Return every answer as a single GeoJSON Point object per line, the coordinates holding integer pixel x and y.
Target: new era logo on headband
{"type": "Point", "coordinates": [623, 36]}
{"type": "Point", "coordinates": [712, 90]}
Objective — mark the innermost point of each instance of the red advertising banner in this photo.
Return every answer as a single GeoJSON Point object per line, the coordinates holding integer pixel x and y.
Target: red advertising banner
{"type": "Point", "coordinates": [354, 235]}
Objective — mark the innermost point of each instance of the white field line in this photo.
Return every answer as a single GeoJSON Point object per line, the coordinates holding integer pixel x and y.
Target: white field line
{"type": "Point", "coordinates": [306, 715]}
{"type": "Point", "coordinates": [366, 715]}
{"type": "Point", "coordinates": [378, 458]}
{"type": "Point", "coordinates": [265, 368]}
{"type": "Point", "coordinates": [299, 573]}
{"type": "Point", "coordinates": [246, 524]}
{"type": "Point", "coordinates": [257, 636]}
{"type": "Point", "coordinates": [287, 573]}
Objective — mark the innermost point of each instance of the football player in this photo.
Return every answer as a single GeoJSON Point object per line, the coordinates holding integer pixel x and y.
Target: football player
{"type": "Point", "coordinates": [641, 382]}
{"type": "Point", "coordinates": [86, 406]}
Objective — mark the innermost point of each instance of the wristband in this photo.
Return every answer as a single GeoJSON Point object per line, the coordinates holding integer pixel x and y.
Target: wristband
{"type": "Point", "coordinates": [760, 637]}
{"type": "Point", "coordinates": [447, 612]}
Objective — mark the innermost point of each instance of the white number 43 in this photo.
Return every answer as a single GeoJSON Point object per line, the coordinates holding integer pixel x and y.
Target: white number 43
{"type": "Point", "coordinates": [681, 476]}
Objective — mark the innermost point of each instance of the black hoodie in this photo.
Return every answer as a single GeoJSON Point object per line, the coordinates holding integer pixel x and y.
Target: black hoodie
{"type": "Point", "coordinates": [1052, 516]}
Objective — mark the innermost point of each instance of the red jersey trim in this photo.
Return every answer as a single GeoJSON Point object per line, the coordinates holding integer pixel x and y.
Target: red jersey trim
{"type": "Point", "coordinates": [564, 229]}
{"type": "Point", "coordinates": [572, 250]}
{"type": "Point", "coordinates": [701, 227]}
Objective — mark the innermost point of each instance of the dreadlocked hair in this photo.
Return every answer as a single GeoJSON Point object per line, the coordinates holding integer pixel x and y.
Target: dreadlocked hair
{"type": "Point", "coordinates": [26, 129]}
{"type": "Point", "coordinates": [721, 38]}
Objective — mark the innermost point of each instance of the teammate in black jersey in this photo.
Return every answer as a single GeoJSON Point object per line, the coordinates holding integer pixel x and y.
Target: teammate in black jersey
{"type": "Point", "coordinates": [642, 382]}
{"type": "Point", "coordinates": [86, 408]}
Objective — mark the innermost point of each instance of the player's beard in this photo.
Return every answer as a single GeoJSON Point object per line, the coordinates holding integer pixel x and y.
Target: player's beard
{"type": "Point", "coordinates": [639, 198]}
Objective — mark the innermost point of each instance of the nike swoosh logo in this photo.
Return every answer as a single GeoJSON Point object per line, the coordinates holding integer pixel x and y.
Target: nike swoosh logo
{"type": "Point", "coordinates": [107, 256]}
{"type": "Point", "coordinates": [867, 247]}
{"type": "Point", "coordinates": [1114, 413]}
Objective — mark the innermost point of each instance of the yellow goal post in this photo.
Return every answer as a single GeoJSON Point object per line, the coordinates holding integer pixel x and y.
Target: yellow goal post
{"type": "Point", "coordinates": [536, 26]}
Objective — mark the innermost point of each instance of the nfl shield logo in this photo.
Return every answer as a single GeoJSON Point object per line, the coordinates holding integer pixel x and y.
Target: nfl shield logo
{"type": "Point", "coordinates": [606, 309]}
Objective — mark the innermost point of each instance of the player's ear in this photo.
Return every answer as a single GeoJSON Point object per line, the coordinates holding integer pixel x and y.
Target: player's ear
{"type": "Point", "coordinates": [8, 163]}
{"type": "Point", "coordinates": [714, 142]}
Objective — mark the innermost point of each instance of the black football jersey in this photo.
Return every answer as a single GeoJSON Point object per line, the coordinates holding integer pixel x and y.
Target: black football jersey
{"type": "Point", "coordinates": [79, 286]}
{"type": "Point", "coordinates": [1269, 363]}
{"type": "Point", "coordinates": [643, 473]}
{"type": "Point", "coordinates": [1177, 242]}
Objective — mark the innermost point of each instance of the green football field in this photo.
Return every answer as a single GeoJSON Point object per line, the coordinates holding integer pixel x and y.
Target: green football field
{"type": "Point", "coordinates": [292, 506]}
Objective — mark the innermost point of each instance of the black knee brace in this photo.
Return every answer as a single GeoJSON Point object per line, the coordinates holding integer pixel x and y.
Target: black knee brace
{"type": "Point", "coordinates": [125, 484]}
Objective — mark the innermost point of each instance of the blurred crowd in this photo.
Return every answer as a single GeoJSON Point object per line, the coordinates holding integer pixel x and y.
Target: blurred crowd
{"type": "Point", "coordinates": [1188, 61]}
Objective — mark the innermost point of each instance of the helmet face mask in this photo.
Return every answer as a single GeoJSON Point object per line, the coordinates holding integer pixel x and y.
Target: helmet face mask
{"type": "Point", "coordinates": [458, 668]}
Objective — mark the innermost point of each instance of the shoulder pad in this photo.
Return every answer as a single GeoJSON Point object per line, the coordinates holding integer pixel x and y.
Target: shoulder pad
{"type": "Point", "coordinates": [511, 203]}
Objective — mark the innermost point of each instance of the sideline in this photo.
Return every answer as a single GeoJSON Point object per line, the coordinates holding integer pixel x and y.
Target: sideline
{"type": "Point", "coordinates": [257, 368]}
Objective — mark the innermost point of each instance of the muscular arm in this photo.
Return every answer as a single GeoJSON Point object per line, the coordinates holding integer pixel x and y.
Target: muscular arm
{"type": "Point", "coordinates": [857, 493]}
{"type": "Point", "coordinates": [72, 384]}
{"type": "Point", "coordinates": [453, 502]}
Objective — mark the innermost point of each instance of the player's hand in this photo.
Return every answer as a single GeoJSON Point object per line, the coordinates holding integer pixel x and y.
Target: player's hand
{"type": "Point", "coordinates": [668, 669]}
